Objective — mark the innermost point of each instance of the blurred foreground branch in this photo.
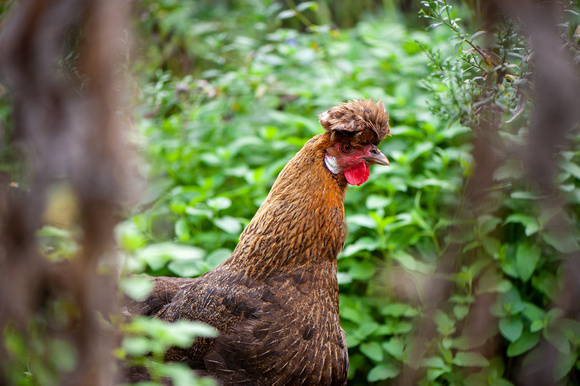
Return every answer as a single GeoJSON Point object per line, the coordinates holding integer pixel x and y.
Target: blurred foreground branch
{"type": "Point", "coordinates": [66, 128]}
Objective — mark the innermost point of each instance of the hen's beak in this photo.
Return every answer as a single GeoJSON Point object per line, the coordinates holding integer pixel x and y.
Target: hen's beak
{"type": "Point", "coordinates": [376, 157]}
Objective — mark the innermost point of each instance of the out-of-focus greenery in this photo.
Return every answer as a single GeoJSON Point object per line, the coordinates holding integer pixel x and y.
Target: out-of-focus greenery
{"type": "Point", "coordinates": [229, 91]}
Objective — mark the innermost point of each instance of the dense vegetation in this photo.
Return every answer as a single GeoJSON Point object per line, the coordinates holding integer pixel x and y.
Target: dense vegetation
{"type": "Point", "coordinates": [227, 92]}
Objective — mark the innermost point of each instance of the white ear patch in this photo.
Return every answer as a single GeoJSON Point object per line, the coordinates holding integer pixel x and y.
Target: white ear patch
{"type": "Point", "coordinates": [331, 164]}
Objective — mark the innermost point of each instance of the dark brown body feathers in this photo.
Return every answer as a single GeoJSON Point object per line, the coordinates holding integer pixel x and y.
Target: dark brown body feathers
{"type": "Point", "coordinates": [275, 299]}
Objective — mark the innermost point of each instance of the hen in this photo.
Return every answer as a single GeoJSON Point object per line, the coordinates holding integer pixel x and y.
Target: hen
{"type": "Point", "coordinates": [275, 299]}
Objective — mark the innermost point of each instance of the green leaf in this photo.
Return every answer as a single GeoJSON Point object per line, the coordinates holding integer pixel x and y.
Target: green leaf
{"type": "Point", "coordinates": [409, 262]}
{"type": "Point", "coordinates": [137, 287]}
{"type": "Point", "coordinates": [571, 168]}
{"type": "Point", "coordinates": [182, 230]}
{"type": "Point", "coordinates": [490, 281]}
{"type": "Point", "coordinates": [511, 328]}
{"type": "Point", "coordinates": [533, 312]}
{"type": "Point", "coordinates": [382, 372]}
{"type": "Point", "coordinates": [546, 283]}
{"type": "Point", "coordinates": [157, 255]}
{"type": "Point", "coordinates": [487, 223]}
{"type": "Point", "coordinates": [362, 270]}
{"type": "Point", "coordinates": [307, 5]}
{"type": "Point", "coordinates": [395, 348]}
{"type": "Point", "coordinates": [564, 242]}
{"type": "Point", "coordinates": [228, 224]}
{"type": "Point", "coordinates": [468, 342]}
{"type": "Point", "coordinates": [434, 362]}
{"type": "Point", "coordinates": [470, 359]}
{"type": "Point", "coordinates": [362, 220]}
{"type": "Point", "coordinates": [527, 258]}
{"type": "Point", "coordinates": [376, 202]}
{"type": "Point", "coordinates": [530, 223]}
{"type": "Point", "coordinates": [217, 257]}
{"type": "Point", "coordinates": [525, 196]}
{"type": "Point", "coordinates": [372, 350]}
{"type": "Point", "coordinates": [402, 327]}
{"type": "Point", "coordinates": [286, 14]}
{"type": "Point", "coordinates": [180, 374]}
{"type": "Point", "coordinates": [136, 345]}
{"type": "Point", "coordinates": [526, 342]}
{"type": "Point", "coordinates": [129, 236]}
{"type": "Point", "coordinates": [362, 244]}
{"type": "Point", "coordinates": [185, 268]}
{"type": "Point", "coordinates": [558, 339]}
{"type": "Point", "coordinates": [398, 309]}
{"type": "Point", "coordinates": [460, 311]}
{"type": "Point", "coordinates": [219, 203]}
{"type": "Point", "coordinates": [563, 365]}
{"type": "Point", "coordinates": [445, 325]}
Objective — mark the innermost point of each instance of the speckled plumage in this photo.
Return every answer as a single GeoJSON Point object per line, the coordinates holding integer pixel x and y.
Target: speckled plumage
{"type": "Point", "coordinates": [275, 299]}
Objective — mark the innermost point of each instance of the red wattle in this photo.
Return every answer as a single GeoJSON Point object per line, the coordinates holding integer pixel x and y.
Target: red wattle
{"type": "Point", "coordinates": [357, 174]}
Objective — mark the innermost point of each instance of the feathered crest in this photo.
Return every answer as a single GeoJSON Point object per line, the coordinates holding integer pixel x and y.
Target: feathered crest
{"type": "Point", "coordinates": [364, 119]}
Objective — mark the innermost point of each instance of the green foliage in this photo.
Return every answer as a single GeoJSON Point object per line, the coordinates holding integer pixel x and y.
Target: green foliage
{"type": "Point", "coordinates": [147, 339]}
{"type": "Point", "coordinates": [217, 140]}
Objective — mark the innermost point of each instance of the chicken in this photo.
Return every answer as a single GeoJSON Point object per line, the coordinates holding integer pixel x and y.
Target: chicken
{"type": "Point", "coordinates": [275, 299]}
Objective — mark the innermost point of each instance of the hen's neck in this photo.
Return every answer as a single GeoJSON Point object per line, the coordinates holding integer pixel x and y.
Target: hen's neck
{"type": "Point", "coordinates": [300, 222]}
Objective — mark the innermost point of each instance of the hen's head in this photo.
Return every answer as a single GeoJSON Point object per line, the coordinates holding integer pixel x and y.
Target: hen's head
{"type": "Point", "coordinates": [356, 128]}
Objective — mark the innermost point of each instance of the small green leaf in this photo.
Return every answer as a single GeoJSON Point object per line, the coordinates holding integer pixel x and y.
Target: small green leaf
{"type": "Point", "coordinates": [137, 287]}
{"type": "Point", "coordinates": [470, 359]}
{"type": "Point", "coordinates": [398, 309]}
{"type": "Point", "coordinates": [469, 342]}
{"type": "Point", "coordinates": [136, 345]}
{"type": "Point", "coordinates": [217, 257]}
{"type": "Point", "coordinates": [563, 365]}
{"type": "Point", "coordinates": [157, 255]}
{"type": "Point", "coordinates": [307, 5]}
{"type": "Point", "coordinates": [185, 268]}
{"type": "Point", "coordinates": [182, 230]}
{"type": "Point", "coordinates": [563, 242]}
{"type": "Point", "coordinates": [362, 220]}
{"type": "Point", "coordinates": [286, 14]}
{"type": "Point", "coordinates": [460, 311]}
{"type": "Point", "coordinates": [395, 348]}
{"type": "Point", "coordinates": [533, 312]}
{"type": "Point", "coordinates": [537, 325]}
{"type": "Point", "coordinates": [445, 325]}
{"type": "Point", "coordinates": [372, 350]}
{"type": "Point", "coordinates": [433, 362]}
{"type": "Point", "coordinates": [546, 283]}
{"type": "Point", "coordinates": [376, 202]}
{"type": "Point", "coordinates": [526, 342]}
{"type": "Point", "coordinates": [571, 168]}
{"type": "Point", "coordinates": [527, 258]}
{"type": "Point", "coordinates": [487, 223]}
{"type": "Point", "coordinates": [382, 372]}
{"type": "Point", "coordinates": [511, 328]}
{"type": "Point", "coordinates": [228, 224]}
{"type": "Point", "coordinates": [362, 270]}
{"type": "Point", "coordinates": [530, 223]}
{"type": "Point", "coordinates": [558, 339]}
{"type": "Point", "coordinates": [219, 203]}
{"type": "Point", "coordinates": [525, 196]}
{"type": "Point", "coordinates": [362, 244]}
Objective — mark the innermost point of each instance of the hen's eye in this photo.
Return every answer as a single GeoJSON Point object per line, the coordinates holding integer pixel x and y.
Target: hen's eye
{"type": "Point", "coordinates": [346, 148]}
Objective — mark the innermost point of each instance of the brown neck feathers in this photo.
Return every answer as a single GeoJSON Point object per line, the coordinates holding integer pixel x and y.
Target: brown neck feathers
{"type": "Point", "coordinates": [300, 222]}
